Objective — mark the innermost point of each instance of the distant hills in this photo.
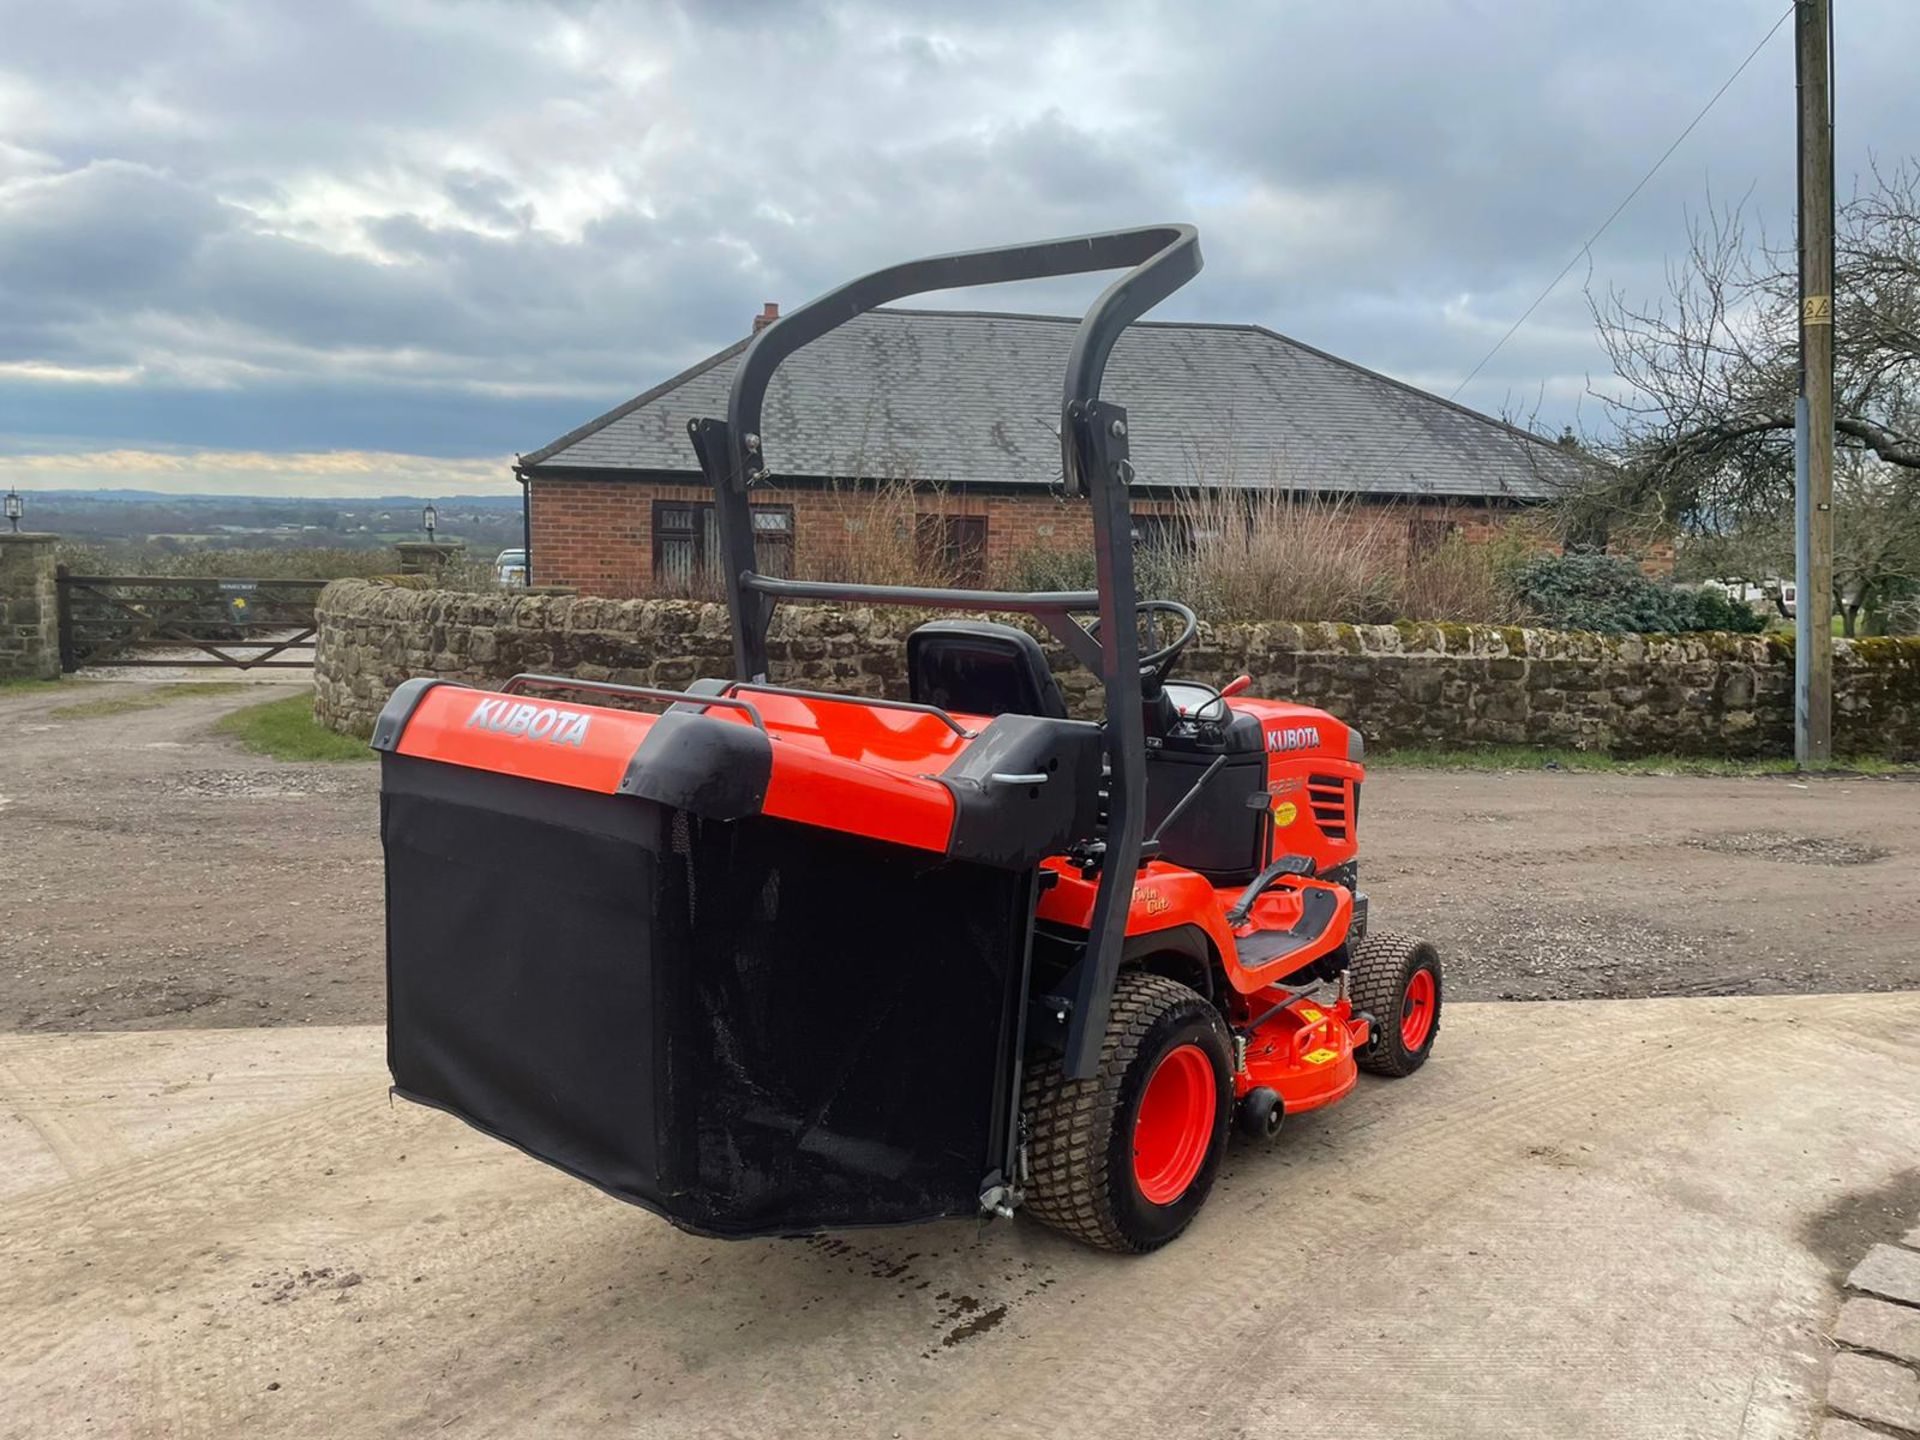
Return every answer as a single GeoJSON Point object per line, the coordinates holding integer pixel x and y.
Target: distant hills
{"type": "Point", "coordinates": [169, 497]}
{"type": "Point", "coordinates": [159, 521]}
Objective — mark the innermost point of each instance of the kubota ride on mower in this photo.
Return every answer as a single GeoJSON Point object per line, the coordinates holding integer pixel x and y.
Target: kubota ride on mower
{"type": "Point", "coordinates": [774, 961]}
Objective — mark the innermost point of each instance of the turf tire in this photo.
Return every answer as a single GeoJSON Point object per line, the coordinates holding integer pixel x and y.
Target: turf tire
{"type": "Point", "coordinates": [1383, 967]}
{"type": "Point", "coordinates": [1080, 1132]}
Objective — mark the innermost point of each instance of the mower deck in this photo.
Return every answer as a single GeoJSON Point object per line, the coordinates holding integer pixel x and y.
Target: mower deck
{"type": "Point", "coordinates": [1303, 1051]}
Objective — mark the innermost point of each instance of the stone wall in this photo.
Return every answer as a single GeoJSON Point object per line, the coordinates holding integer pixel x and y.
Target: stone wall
{"type": "Point", "coordinates": [29, 608]}
{"type": "Point", "coordinates": [1441, 685]}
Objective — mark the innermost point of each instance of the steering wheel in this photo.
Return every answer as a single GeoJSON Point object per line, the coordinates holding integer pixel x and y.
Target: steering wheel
{"type": "Point", "coordinates": [1156, 665]}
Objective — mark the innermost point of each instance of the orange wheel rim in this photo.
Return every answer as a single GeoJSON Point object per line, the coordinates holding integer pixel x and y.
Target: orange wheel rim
{"type": "Point", "coordinates": [1416, 1011]}
{"type": "Point", "coordinates": [1174, 1126]}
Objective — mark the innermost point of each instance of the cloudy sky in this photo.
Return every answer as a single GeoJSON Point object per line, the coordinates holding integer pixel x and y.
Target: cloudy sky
{"type": "Point", "coordinates": [334, 248]}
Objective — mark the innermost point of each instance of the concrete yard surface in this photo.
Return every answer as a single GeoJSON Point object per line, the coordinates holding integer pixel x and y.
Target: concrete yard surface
{"type": "Point", "coordinates": [1596, 1218]}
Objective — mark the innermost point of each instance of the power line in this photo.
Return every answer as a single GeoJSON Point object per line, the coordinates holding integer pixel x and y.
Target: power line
{"type": "Point", "coordinates": [1587, 248]}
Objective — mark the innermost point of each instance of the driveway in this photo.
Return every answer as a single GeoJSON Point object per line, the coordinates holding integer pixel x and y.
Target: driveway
{"type": "Point", "coordinates": [155, 875]}
{"type": "Point", "coordinates": [1607, 1217]}
{"type": "Point", "coordinates": [1580, 1219]}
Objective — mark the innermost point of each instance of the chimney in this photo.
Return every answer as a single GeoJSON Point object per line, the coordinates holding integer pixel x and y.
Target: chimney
{"type": "Point", "coordinates": [769, 313]}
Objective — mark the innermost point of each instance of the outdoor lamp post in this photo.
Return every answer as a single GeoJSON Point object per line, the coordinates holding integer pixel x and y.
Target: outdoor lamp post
{"type": "Point", "coordinates": [16, 507]}
{"type": "Point", "coordinates": [429, 517]}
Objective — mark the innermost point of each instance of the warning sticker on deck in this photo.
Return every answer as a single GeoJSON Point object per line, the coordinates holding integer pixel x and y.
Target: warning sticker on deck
{"type": "Point", "coordinates": [1320, 1056]}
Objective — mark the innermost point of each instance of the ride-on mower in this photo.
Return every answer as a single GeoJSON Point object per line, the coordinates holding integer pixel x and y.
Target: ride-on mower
{"type": "Point", "coordinates": [772, 961]}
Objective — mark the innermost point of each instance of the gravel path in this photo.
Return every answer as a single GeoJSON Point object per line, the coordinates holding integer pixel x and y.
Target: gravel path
{"type": "Point", "coordinates": [154, 875]}
{"type": "Point", "coordinates": [1542, 886]}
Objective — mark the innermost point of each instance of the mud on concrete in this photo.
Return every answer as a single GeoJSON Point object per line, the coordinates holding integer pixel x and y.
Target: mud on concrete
{"type": "Point", "coordinates": [155, 876]}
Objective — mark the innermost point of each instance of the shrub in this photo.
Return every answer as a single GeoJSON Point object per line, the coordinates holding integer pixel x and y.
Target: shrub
{"type": "Point", "coordinates": [1277, 556]}
{"type": "Point", "coordinates": [882, 540]}
{"type": "Point", "coordinates": [1712, 609]}
{"type": "Point", "coordinates": [1054, 567]}
{"type": "Point", "coordinates": [1159, 573]}
{"type": "Point", "coordinates": [1283, 557]}
{"type": "Point", "coordinates": [252, 562]}
{"type": "Point", "coordinates": [1466, 580]}
{"type": "Point", "coordinates": [1609, 594]}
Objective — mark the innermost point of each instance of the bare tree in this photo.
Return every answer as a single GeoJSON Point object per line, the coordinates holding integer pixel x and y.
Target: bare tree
{"type": "Point", "coordinates": [1876, 545]}
{"type": "Point", "coordinates": [1703, 432]}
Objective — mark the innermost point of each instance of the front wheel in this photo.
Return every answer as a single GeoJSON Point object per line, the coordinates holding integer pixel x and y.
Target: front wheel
{"type": "Point", "coordinates": [1396, 980]}
{"type": "Point", "coordinates": [1124, 1160]}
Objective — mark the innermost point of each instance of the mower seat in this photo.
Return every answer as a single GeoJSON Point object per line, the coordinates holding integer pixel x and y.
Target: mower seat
{"type": "Point", "coordinates": [980, 668]}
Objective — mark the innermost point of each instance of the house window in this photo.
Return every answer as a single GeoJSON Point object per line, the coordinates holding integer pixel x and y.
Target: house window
{"type": "Point", "coordinates": [954, 544]}
{"type": "Point", "coordinates": [773, 540]}
{"type": "Point", "coordinates": [686, 541]}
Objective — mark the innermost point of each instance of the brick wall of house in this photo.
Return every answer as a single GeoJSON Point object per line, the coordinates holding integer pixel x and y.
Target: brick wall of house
{"type": "Point", "coordinates": [597, 535]}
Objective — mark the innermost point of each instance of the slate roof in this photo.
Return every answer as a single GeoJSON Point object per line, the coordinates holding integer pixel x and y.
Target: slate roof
{"type": "Point", "coordinates": [965, 397]}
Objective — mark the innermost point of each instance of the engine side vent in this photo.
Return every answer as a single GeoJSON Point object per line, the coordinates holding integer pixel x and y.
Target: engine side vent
{"type": "Point", "coordinates": [1332, 804]}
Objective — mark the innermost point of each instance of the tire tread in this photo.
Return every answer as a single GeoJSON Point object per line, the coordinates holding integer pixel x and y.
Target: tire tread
{"type": "Point", "coordinates": [1070, 1121]}
{"type": "Point", "coordinates": [1380, 968]}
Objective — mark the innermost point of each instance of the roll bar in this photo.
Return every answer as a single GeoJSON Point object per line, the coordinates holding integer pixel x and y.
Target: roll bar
{"type": "Point", "coordinates": [1094, 462]}
{"type": "Point", "coordinates": [1162, 259]}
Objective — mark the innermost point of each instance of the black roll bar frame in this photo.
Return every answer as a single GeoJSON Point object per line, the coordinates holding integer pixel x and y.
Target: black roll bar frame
{"type": "Point", "coordinates": [1094, 462]}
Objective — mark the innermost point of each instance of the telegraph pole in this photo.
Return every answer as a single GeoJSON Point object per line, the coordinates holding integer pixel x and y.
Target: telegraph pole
{"type": "Point", "coordinates": [1813, 412]}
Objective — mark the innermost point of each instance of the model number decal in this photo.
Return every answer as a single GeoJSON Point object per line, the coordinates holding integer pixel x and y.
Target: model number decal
{"type": "Point", "coordinates": [530, 722]}
{"type": "Point", "coordinates": [1297, 737]}
{"type": "Point", "coordinates": [1151, 900]}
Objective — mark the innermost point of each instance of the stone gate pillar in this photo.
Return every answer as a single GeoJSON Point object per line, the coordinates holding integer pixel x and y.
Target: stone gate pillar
{"type": "Point", "coordinates": [422, 557]}
{"type": "Point", "coordinates": [29, 608]}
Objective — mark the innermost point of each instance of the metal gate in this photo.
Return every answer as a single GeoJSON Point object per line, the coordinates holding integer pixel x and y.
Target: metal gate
{"type": "Point", "coordinates": [132, 619]}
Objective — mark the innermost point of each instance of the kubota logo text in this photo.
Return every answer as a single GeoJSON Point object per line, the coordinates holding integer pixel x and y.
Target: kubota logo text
{"type": "Point", "coordinates": [1298, 737]}
{"type": "Point", "coordinates": [530, 722]}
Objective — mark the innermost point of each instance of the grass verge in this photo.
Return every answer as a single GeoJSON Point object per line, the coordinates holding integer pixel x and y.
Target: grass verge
{"type": "Point", "coordinates": [286, 730]}
{"type": "Point", "coordinates": [146, 700]}
{"type": "Point", "coordinates": [24, 685]}
{"type": "Point", "coordinates": [1528, 757]}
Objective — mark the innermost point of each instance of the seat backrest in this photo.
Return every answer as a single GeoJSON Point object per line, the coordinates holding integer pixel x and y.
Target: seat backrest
{"type": "Point", "coordinates": [980, 668]}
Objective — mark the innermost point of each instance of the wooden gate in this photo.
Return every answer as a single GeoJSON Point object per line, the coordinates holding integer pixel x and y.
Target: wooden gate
{"type": "Point", "coordinates": [168, 620]}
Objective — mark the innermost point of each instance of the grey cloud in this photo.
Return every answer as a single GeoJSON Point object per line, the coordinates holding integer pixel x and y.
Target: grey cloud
{"type": "Point", "coordinates": [451, 198]}
{"type": "Point", "coordinates": [107, 233]}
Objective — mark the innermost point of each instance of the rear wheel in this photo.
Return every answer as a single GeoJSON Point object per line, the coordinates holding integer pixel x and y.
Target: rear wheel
{"type": "Point", "coordinates": [1397, 980]}
{"type": "Point", "coordinates": [1124, 1160]}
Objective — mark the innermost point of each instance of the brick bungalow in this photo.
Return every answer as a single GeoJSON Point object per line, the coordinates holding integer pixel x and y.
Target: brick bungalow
{"type": "Point", "coordinates": [955, 411]}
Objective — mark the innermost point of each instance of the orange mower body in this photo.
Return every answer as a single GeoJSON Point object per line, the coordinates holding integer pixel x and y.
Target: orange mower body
{"type": "Point", "coordinates": [766, 961]}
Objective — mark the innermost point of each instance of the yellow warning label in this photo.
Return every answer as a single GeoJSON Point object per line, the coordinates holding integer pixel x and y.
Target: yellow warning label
{"type": "Point", "coordinates": [1816, 310]}
{"type": "Point", "coordinates": [1320, 1056]}
{"type": "Point", "coordinates": [1284, 814]}
{"type": "Point", "coordinates": [1309, 1014]}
